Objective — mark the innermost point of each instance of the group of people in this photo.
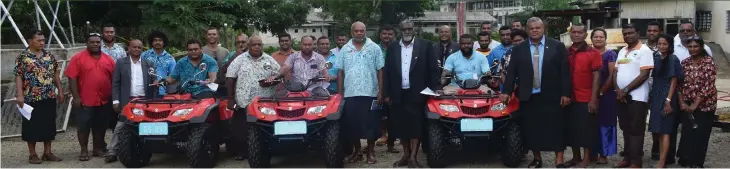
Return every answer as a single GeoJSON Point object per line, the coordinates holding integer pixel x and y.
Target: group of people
{"type": "Point", "coordinates": [569, 96]}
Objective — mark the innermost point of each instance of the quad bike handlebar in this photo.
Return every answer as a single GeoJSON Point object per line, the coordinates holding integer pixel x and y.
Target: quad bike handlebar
{"type": "Point", "coordinates": [202, 66]}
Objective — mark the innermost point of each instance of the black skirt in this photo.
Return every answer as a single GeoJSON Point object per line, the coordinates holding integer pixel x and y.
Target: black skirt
{"type": "Point", "coordinates": [42, 124]}
{"type": "Point", "coordinates": [582, 126]}
{"type": "Point", "coordinates": [359, 121]}
{"type": "Point", "coordinates": [543, 124]}
{"type": "Point", "coordinates": [408, 116]}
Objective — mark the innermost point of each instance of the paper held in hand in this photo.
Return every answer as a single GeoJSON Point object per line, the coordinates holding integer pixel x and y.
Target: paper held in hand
{"type": "Point", "coordinates": [25, 111]}
{"type": "Point", "coordinates": [213, 86]}
{"type": "Point", "coordinates": [429, 92]}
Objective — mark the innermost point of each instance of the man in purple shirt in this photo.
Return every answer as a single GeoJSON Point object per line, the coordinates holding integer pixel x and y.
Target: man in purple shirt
{"type": "Point", "coordinates": [305, 65]}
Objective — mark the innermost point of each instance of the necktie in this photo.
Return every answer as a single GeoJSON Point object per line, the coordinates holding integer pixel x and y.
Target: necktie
{"type": "Point", "coordinates": [536, 66]}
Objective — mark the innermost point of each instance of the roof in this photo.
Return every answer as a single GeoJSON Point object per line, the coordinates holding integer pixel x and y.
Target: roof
{"type": "Point", "coordinates": [315, 17]}
{"type": "Point", "coordinates": [575, 12]}
{"type": "Point", "coordinates": [451, 17]}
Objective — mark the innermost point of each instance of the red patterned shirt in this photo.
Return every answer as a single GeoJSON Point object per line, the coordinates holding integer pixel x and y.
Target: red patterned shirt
{"type": "Point", "coordinates": [699, 81]}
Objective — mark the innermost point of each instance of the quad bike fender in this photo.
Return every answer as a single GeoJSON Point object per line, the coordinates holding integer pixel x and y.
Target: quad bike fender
{"type": "Point", "coordinates": [338, 114]}
{"type": "Point", "coordinates": [431, 115]}
{"type": "Point", "coordinates": [206, 113]}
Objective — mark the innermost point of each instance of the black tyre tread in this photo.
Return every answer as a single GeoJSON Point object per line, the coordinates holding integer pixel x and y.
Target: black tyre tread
{"type": "Point", "coordinates": [130, 151]}
{"type": "Point", "coordinates": [513, 153]}
{"type": "Point", "coordinates": [258, 152]}
{"type": "Point", "coordinates": [196, 156]}
{"type": "Point", "coordinates": [439, 155]}
{"type": "Point", "coordinates": [334, 153]}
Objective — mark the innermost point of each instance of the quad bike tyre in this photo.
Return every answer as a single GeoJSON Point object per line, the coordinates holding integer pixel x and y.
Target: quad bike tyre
{"type": "Point", "coordinates": [333, 151]}
{"type": "Point", "coordinates": [440, 154]}
{"type": "Point", "coordinates": [130, 150]}
{"type": "Point", "coordinates": [513, 153]}
{"type": "Point", "coordinates": [258, 150]}
{"type": "Point", "coordinates": [203, 146]}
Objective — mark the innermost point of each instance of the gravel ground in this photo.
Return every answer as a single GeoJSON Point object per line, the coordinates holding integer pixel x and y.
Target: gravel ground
{"type": "Point", "coordinates": [14, 155]}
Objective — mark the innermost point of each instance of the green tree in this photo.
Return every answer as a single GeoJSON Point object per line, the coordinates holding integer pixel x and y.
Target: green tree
{"type": "Point", "coordinates": [372, 12]}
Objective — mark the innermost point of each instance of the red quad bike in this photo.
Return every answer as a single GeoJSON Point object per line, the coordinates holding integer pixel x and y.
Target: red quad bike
{"type": "Point", "coordinates": [299, 121]}
{"type": "Point", "coordinates": [471, 120]}
{"type": "Point", "coordinates": [177, 123]}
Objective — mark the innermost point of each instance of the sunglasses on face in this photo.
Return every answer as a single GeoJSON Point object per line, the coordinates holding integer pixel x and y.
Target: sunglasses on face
{"type": "Point", "coordinates": [694, 38]}
{"type": "Point", "coordinates": [94, 34]}
{"type": "Point", "coordinates": [685, 30]}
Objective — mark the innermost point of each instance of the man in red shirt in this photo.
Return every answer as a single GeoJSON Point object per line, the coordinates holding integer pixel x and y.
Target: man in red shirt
{"type": "Point", "coordinates": [585, 69]}
{"type": "Point", "coordinates": [91, 69]}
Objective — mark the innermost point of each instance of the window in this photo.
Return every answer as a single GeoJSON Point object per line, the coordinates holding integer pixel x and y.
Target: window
{"type": "Point", "coordinates": [296, 30]}
{"type": "Point", "coordinates": [727, 22]}
{"type": "Point", "coordinates": [305, 30]}
{"type": "Point", "coordinates": [314, 30]}
{"type": "Point", "coordinates": [703, 20]}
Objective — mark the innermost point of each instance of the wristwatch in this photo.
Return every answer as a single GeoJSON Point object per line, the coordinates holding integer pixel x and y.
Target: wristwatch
{"type": "Point", "coordinates": [625, 90]}
{"type": "Point", "coordinates": [669, 100]}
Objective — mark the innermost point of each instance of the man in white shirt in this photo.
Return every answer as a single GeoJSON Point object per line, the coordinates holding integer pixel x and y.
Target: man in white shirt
{"type": "Point", "coordinates": [686, 30]}
{"type": "Point", "coordinates": [633, 65]}
{"type": "Point", "coordinates": [487, 27]}
{"type": "Point", "coordinates": [130, 80]}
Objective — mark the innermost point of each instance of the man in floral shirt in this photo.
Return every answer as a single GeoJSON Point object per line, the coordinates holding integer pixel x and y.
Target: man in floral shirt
{"type": "Point", "coordinates": [110, 48]}
{"type": "Point", "coordinates": [163, 61]}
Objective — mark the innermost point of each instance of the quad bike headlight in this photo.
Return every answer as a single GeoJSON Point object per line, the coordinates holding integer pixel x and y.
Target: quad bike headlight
{"type": "Point", "coordinates": [182, 112]}
{"type": "Point", "coordinates": [498, 107]}
{"type": "Point", "coordinates": [316, 109]}
{"type": "Point", "coordinates": [267, 111]}
{"type": "Point", "coordinates": [138, 112]}
{"type": "Point", "coordinates": [449, 108]}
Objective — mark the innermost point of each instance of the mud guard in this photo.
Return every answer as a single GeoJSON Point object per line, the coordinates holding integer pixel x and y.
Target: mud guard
{"type": "Point", "coordinates": [432, 115]}
{"type": "Point", "coordinates": [202, 118]}
{"type": "Point", "coordinates": [338, 114]}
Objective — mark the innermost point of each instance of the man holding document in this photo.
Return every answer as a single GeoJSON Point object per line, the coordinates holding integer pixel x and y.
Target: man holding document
{"type": "Point", "coordinates": [411, 67]}
{"type": "Point", "coordinates": [36, 79]}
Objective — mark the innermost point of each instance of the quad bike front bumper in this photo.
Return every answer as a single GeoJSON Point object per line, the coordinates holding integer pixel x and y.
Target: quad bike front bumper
{"type": "Point", "coordinates": [453, 125]}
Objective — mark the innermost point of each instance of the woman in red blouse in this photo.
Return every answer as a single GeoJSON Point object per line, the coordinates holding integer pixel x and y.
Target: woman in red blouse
{"type": "Point", "coordinates": [698, 98]}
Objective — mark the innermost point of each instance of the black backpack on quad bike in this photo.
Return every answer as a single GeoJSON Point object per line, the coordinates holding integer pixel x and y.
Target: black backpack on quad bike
{"type": "Point", "coordinates": [176, 123]}
{"type": "Point", "coordinates": [296, 121]}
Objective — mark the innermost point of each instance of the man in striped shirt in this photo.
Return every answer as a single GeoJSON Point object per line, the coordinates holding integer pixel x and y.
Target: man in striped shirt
{"type": "Point", "coordinates": [305, 65]}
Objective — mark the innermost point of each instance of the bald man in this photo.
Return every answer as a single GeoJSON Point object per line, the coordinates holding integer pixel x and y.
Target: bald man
{"type": "Point", "coordinates": [359, 70]}
{"type": "Point", "coordinates": [252, 66]}
{"type": "Point", "coordinates": [446, 45]}
{"type": "Point", "coordinates": [241, 47]}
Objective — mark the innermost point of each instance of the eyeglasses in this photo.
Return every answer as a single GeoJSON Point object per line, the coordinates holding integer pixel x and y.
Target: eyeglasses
{"type": "Point", "coordinates": [686, 30]}
{"type": "Point", "coordinates": [694, 38]}
{"type": "Point", "coordinates": [94, 34]}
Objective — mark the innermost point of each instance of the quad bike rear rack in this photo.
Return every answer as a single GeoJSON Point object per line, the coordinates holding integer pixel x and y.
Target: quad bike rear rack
{"type": "Point", "coordinates": [278, 100]}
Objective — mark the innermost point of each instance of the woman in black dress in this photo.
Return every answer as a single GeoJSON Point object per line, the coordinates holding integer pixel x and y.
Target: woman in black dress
{"type": "Point", "coordinates": [663, 98]}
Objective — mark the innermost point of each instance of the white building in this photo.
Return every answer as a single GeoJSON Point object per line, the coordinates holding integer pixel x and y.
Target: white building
{"type": "Point", "coordinates": [499, 9]}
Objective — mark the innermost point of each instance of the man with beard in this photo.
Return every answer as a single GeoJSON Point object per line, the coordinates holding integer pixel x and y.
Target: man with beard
{"type": "Point", "coordinates": [541, 85]}
{"type": "Point", "coordinates": [516, 24]}
{"type": "Point", "coordinates": [359, 64]}
{"type": "Point", "coordinates": [130, 80]}
{"type": "Point", "coordinates": [653, 29]}
{"type": "Point", "coordinates": [163, 61]}
{"type": "Point", "coordinates": [386, 36]}
{"type": "Point", "coordinates": [465, 64]}
{"type": "Point", "coordinates": [110, 48]}
{"type": "Point", "coordinates": [241, 47]}
{"type": "Point", "coordinates": [303, 66]}
{"type": "Point", "coordinates": [484, 40]}
{"type": "Point", "coordinates": [340, 40]}
{"type": "Point", "coordinates": [410, 68]}
{"type": "Point", "coordinates": [92, 69]}
{"type": "Point", "coordinates": [445, 46]}
{"type": "Point", "coordinates": [323, 44]}
{"type": "Point", "coordinates": [285, 49]}
{"type": "Point", "coordinates": [252, 66]}
{"type": "Point", "coordinates": [190, 65]}
{"type": "Point", "coordinates": [498, 52]}
{"type": "Point", "coordinates": [212, 49]}
{"type": "Point", "coordinates": [487, 27]}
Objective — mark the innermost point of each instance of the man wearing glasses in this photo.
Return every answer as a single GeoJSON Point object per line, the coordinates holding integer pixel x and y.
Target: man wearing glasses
{"type": "Point", "coordinates": [686, 31]}
{"type": "Point", "coordinates": [241, 47]}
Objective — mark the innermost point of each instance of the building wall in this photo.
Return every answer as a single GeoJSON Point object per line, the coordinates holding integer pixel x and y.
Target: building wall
{"type": "Point", "coordinates": [718, 31]}
{"type": "Point", "coordinates": [658, 9]}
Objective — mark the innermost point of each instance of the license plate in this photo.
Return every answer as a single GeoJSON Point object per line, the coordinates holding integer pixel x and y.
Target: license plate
{"type": "Point", "coordinates": [477, 124]}
{"type": "Point", "coordinates": [153, 128]}
{"type": "Point", "coordinates": [290, 127]}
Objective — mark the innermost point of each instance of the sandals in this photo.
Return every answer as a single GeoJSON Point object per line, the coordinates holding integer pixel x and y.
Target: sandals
{"type": "Point", "coordinates": [33, 159]}
{"type": "Point", "coordinates": [371, 159]}
{"type": "Point", "coordinates": [50, 157]}
{"type": "Point", "coordinates": [84, 157]}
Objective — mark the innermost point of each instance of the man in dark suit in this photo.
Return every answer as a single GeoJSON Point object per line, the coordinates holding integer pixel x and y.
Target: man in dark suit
{"type": "Point", "coordinates": [410, 67]}
{"type": "Point", "coordinates": [543, 90]}
{"type": "Point", "coordinates": [130, 80]}
{"type": "Point", "coordinates": [446, 46]}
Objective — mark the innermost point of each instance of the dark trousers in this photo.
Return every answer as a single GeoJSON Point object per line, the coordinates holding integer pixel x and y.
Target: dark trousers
{"type": "Point", "coordinates": [205, 94]}
{"type": "Point", "coordinates": [239, 133]}
{"type": "Point", "coordinates": [95, 119]}
{"type": "Point", "coordinates": [694, 141]}
{"type": "Point", "coordinates": [632, 120]}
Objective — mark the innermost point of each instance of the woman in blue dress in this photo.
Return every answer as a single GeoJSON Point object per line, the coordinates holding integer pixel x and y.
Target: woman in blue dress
{"type": "Point", "coordinates": [663, 96]}
{"type": "Point", "coordinates": [607, 111]}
